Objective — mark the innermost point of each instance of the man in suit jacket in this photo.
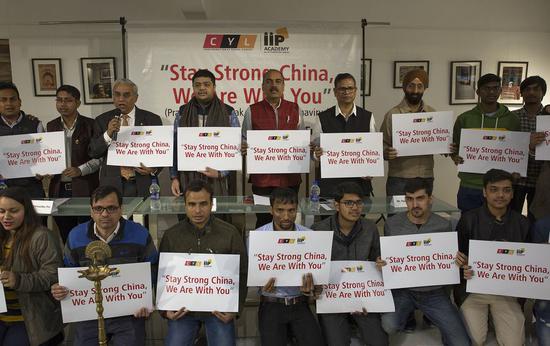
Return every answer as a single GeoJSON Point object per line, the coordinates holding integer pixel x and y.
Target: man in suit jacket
{"type": "Point", "coordinates": [131, 181]}
{"type": "Point", "coordinates": [80, 177]}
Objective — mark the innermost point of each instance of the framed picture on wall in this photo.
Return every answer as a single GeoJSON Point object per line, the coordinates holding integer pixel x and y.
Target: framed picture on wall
{"type": "Point", "coordinates": [98, 77]}
{"type": "Point", "coordinates": [400, 69]}
{"type": "Point", "coordinates": [47, 77]}
{"type": "Point", "coordinates": [464, 76]}
{"type": "Point", "coordinates": [512, 73]}
{"type": "Point", "coordinates": [367, 78]}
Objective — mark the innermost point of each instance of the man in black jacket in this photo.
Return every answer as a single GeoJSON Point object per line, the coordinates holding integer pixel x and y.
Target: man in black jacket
{"type": "Point", "coordinates": [494, 221]}
{"type": "Point", "coordinates": [345, 116]}
{"type": "Point", "coordinates": [133, 182]}
{"type": "Point", "coordinates": [355, 239]}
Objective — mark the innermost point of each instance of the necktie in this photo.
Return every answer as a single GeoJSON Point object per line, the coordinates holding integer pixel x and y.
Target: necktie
{"type": "Point", "coordinates": [126, 172]}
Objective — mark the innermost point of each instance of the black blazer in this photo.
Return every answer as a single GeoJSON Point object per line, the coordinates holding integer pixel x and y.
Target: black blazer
{"type": "Point", "coordinates": [110, 175]}
{"type": "Point", "coordinates": [82, 186]}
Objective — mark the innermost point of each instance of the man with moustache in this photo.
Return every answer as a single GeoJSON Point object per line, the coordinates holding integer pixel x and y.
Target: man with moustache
{"type": "Point", "coordinates": [404, 168]}
{"type": "Point", "coordinates": [204, 109]}
{"type": "Point", "coordinates": [488, 115]}
{"type": "Point", "coordinates": [345, 116]}
{"type": "Point", "coordinates": [532, 91]}
{"type": "Point", "coordinates": [133, 182]}
{"type": "Point", "coordinates": [202, 232]}
{"type": "Point", "coordinates": [80, 177]}
{"type": "Point", "coordinates": [433, 301]}
{"type": "Point", "coordinates": [272, 113]}
{"type": "Point", "coordinates": [355, 239]}
{"type": "Point", "coordinates": [13, 121]}
{"type": "Point", "coordinates": [285, 310]}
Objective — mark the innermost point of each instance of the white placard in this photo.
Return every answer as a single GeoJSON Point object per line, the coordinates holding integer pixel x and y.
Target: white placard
{"type": "Point", "coordinates": [422, 133]}
{"type": "Point", "coordinates": [542, 151]}
{"type": "Point", "coordinates": [398, 201]}
{"type": "Point", "coordinates": [287, 255]}
{"type": "Point", "coordinates": [198, 282]}
{"type": "Point", "coordinates": [43, 207]}
{"type": "Point", "coordinates": [486, 149]}
{"type": "Point", "coordinates": [150, 145]}
{"type": "Point", "coordinates": [354, 285]}
{"type": "Point", "coordinates": [510, 269]}
{"type": "Point", "coordinates": [31, 154]}
{"type": "Point", "coordinates": [3, 305]}
{"type": "Point", "coordinates": [215, 147]}
{"type": "Point", "coordinates": [351, 155]}
{"type": "Point", "coordinates": [278, 151]}
{"type": "Point", "coordinates": [416, 260]}
{"type": "Point", "coordinates": [123, 294]}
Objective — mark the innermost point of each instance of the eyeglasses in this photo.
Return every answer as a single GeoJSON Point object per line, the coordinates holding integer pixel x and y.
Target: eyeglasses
{"type": "Point", "coordinates": [350, 204]}
{"type": "Point", "coordinates": [346, 90]}
{"type": "Point", "coordinates": [110, 209]}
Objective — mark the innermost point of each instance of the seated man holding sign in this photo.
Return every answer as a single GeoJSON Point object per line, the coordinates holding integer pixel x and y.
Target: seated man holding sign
{"type": "Point", "coordinates": [130, 243]}
{"type": "Point", "coordinates": [433, 301]}
{"type": "Point", "coordinates": [495, 220]}
{"type": "Point", "coordinates": [201, 232]}
{"type": "Point", "coordinates": [355, 238]}
{"type": "Point", "coordinates": [286, 309]}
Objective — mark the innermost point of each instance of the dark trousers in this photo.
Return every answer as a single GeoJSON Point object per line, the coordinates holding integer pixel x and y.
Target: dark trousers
{"type": "Point", "coordinates": [520, 193]}
{"type": "Point", "coordinates": [337, 329]}
{"type": "Point", "coordinates": [276, 320]}
{"type": "Point", "coordinates": [121, 331]}
{"type": "Point", "coordinates": [67, 223]}
{"type": "Point", "coordinates": [15, 334]}
{"type": "Point", "coordinates": [263, 218]}
{"type": "Point", "coordinates": [469, 198]}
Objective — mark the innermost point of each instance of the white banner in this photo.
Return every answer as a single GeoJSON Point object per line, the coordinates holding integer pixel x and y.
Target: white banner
{"type": "Point", "coordinates": [486, 149]}
{"type": "Point", "coordinates": [238, 56]}
{"type": "Point", "coordinates": [150, 145]}
{"type": "Point", "coordinates": [287, 255]}
{"type": "Point", "coordinates": [422, 133]}
{"type": "Point", "coordinates": [214, 147]}
{"type": "Point", "coordinates": [123, 294]}
{"type": "Point", "coordinates": [350, 155]}
{"type": "Point", "coordinates": [277, 151]}
{"type": "Point", "coordinates": [542, 151]}
{"type": "Point", "coordinates": [416, 260]}
{"type": "Point", "coordinates": [354, 285]}
{"type": "Point", "coordinates": [509, 269]}
{"type": "Point", "coordinates": [31, 154]}
{"type": "Point", "coordinates": [198, 282]}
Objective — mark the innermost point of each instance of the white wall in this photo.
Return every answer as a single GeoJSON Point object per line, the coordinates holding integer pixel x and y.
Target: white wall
{"type": "Point", "coordinates": [384, 45]}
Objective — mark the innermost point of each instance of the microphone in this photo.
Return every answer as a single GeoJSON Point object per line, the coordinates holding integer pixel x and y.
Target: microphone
{"type": "Point", "coordinates": [117, 115]}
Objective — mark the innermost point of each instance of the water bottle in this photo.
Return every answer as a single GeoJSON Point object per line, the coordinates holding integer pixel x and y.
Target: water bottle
{"type": "Point", "coordinates": [3, 185]}
{"type": "Point", "coordinates": [314, 194]}
{"type": "Point", "coordinates": [154, 194]}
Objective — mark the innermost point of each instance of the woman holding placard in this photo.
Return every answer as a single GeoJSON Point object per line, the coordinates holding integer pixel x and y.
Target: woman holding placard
{"type": "Point", "coordinates": [29, 257]}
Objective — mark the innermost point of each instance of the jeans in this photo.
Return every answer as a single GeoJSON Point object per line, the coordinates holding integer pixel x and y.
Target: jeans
{"type": "Point", "coordinates": [396, 186]}
{"type": "Point", "coordinates": [436, 305]}
{"type": "Point", "coordinates": [15, 334]}
{"type": "Point", "coordinates": [542, 315]}
{"type": "Point", "coordinates": [469, 198]}
{"type": "Point", "coordinates": [121, 331]}
{"type": "Point", "coordinates": [277, 321]}
{"type": "Point", "coordinates": [183, 332]}
{"type": "Point", "coordinates": [337, 331]}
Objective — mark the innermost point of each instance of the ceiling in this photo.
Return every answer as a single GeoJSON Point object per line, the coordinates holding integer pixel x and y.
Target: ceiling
{"type": "Point", "coordinates": [499, 15]}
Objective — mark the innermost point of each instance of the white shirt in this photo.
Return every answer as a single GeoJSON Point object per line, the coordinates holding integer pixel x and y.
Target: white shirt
{"type": "Point", "coordinates": [109, 238]}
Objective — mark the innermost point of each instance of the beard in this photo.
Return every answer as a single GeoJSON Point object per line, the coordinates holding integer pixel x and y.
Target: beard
{"type": "Point", "coordinates": [413, 98]}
